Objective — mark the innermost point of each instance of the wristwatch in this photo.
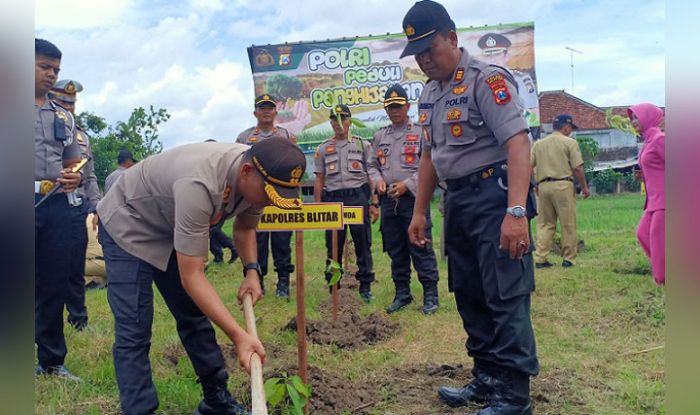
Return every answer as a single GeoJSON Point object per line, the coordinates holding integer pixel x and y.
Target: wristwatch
{"type": "Point", "coordinates": [252, 265]}
{"type": "Point", "coordinates": [517, 211]}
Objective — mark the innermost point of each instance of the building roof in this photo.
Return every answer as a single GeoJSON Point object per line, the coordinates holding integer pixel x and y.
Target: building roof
{"type": "Point", "coordinates": [586, 115]}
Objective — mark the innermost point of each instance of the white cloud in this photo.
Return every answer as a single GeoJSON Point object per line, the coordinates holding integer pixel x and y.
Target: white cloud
{"type": "Point", "coordinates": [78, 14]}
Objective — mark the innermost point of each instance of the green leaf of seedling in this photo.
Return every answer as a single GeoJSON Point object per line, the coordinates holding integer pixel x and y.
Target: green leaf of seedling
{"type": "Point", "coordinates": [274, 391]}
{"type": "Point", "coordinates": [303, 389]}
{"type": "Point", "coordinates": [297, 401]}
{"type": "Point", "coordinates": [333, 269]}
{"type": "Point", "coordinates": [357, 123]}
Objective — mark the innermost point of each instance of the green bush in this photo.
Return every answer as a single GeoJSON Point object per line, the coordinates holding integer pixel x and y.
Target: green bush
{"type": "Point", "coordinates": [631, 184]}
{"type": "Point", "coordinates": [606, 180]}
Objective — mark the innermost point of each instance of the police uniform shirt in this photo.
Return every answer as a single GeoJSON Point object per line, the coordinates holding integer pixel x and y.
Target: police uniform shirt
{"type": "Point", "coordinates": [170, 200]}
{"type": "Point", "coordinates": [395, 155]}
{"type": "Point", "coordinates": [254, 134]}
{"type": "Point", "coordinates": [113, 176]}
{"type": "Point", "coordinates": [50, 153]}
{"type": "Point", "coordinates": [343, 163]}
{"type": "Point", "coordinates": [89, 186]}
{"type": "Point", "coordinates": [555, 156]}
{"type": "Point", "coordinates": [467, 122]}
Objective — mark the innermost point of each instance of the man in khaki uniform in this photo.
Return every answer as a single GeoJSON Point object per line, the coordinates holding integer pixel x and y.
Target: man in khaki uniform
{"type": "Point", "coordinates": [265, 112]}
{"type": "Point", "coordinates": [155, 223]}
{"type": "Point", "coordinates": [555, 160]}
{"type": "Point", "coordinates": [95, 272]}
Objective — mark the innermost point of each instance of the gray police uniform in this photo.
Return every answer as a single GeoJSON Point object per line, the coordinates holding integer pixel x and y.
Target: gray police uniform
{"type": "Point", "coordinates": [54, 143]}
{"type": "Point", "coordinates": [90, 195]}
{"type": "Point", "coordinates": [344, 165]}
{"type": "Point", "coordinates": [466, 125]}
{"type": "Point", "coordinates": [280, 241]}
{"type": "Point", "coordinates": [394, 158]}
{"type": "Point", "coordinates": [113, 176]}
{"type": "Point", "coordinates": [163, 204]}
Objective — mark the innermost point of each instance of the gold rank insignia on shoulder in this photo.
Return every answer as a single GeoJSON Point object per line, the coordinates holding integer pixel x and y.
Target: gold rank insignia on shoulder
{"type": "Point", "coordinates": [253, 139]}
{"type": "Point", "coordinates": [61, 115]}
{"type": "Point", "coordinates": [423, 117]}
{"type": "Point", "coordinates": [459, 74]}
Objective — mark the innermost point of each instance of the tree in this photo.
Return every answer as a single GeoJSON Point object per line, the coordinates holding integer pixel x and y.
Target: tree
{"type": "Point", "coordinates": [589, 151]}
{"type": "Point", "coordinates": [283, 86]}
{"type": "Point", "coordinates": [139, 134]}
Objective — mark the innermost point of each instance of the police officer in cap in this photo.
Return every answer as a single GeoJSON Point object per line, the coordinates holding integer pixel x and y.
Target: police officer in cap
{"type": "Point", "coordinates": [341, 164]}
{"type": "Point", "coordinates": [155, 228]}
{"type": "Point", "coordinates": [396, 151]}
{"type": "Point", "coordinates": [124, 161]}
{"type": "Point", "coordinates": [475, 139]}
{"type": "Point", "coordinates": [55, 152]}
{"type": "Point", "coordinates": [265, 112]}
{"type": "Point", "coordinates": [64, 94]}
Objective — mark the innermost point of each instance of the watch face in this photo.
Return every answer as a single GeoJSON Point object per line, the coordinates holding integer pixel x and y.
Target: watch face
{"type": "Point", "coordinates": [518, 211]}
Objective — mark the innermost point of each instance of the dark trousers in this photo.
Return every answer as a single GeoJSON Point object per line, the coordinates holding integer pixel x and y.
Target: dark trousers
{"type": "Point", "coordinates": [52, 266]}
{"type": "Point", "coordinates": [130, 295]}
{"type": "Point", "coordinates": [361, 234]}
{"type": "Point", "coordinates": [75, 300]}
{"type": "Point", "coordinates": [218, 240]}
{"type": "Point", "coordinates": [281, 252]}
{"type": "Point", "coordinates": [492, 291]}
{"type": "Point", "coordinates": [396, 216]}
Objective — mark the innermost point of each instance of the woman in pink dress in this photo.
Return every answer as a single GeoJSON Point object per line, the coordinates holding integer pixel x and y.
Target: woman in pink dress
{"type": "Point", "coordinates": [647, 118]}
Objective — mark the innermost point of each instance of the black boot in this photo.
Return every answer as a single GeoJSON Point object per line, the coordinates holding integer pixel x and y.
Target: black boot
{"type": "Point", "coordinates": [480, 390]}
{"type": "Point", "coordinates": [512, 395]}
{"type": "Point", "coordinates": [283, 287]}
{"type": "Point", "coordinates": [430, 298]}
{"type": "Point", "coordinates": [217, 399]}
{"type": "Point", "coordinates": [218, 259]}
{"type": "Point", "coordinates": [402, 298]}
{"type": "Point", "coordinates": [234, 256]}
{"type": "Point", "coordinates": [366, 292]}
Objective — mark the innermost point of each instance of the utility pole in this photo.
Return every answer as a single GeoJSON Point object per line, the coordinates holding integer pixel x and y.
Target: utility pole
{"type": "Point", "coordinates": [572, 50]}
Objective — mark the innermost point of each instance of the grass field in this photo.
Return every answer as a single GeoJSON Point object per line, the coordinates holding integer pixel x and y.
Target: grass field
{"type": "Point", "coordinates": [591, 323]}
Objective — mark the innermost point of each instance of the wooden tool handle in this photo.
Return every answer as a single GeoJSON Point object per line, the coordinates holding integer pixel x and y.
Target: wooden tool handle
{"type": "Point", "coordinates": [257, 391]}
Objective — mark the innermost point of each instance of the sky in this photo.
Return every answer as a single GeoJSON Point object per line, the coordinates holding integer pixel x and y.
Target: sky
{"type": "Point", "coordinates": [190, 56]}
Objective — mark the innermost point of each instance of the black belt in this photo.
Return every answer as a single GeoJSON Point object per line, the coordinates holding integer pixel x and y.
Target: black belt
{"type": "Point", "coordinates": [551, 179]}
{"type": "Point", "coordinates": [472, 180]}
{"type": "Point", "coordinates": [349, 192]}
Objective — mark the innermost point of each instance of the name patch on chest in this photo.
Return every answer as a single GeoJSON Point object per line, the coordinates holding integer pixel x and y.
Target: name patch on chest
{"type": "Point", "coordinates": [456, 101]}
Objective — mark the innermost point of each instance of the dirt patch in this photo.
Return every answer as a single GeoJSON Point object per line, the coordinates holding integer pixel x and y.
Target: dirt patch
{"type": "Point", "coordinates": [350, 330]}
{"type": "Point", "coordinates": [413, 390]}
{"type": "Point", "coordinates": [175, 351]}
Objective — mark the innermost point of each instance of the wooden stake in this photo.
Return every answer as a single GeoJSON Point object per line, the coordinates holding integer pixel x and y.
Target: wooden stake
{"type": "Point", "coordinates": [301, 308]}
{"type": "Point", "coordinates": [257, 390]}
{"type": "Point", "coordinates": [334, 289]}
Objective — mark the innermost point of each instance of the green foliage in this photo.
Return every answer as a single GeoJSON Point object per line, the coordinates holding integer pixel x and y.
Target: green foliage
{"type": "Point", "coordinates": [287, 389]}
{"type": "Point", "coordinates": [283, 87]}
{"type": "Point", "coordinates": [333, 268]}
{"type": "Point", "coordinates": [606, 180]}
{"type": "Point", "coordinates": [589, 151]}
{"type": "Point", "coordinates": [619, 122]}
{"type": "Point", "coordinates": [631, 183]}
{"type": "Point", "coordinates": [139, 134]}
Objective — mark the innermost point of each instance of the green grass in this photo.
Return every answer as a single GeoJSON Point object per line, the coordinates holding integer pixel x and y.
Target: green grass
{"type": "Point", "coordinates": [589, 320]}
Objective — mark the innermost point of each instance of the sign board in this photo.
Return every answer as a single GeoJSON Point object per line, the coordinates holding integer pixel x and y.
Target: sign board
{"type": "Point", "coordinates": [311, 217]}
{"type": "Point", "coordinates": [353, 215]}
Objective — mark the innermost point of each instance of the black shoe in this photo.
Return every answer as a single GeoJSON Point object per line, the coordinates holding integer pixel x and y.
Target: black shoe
{"type": "Point", "coordinates": [545, 264]}
{"type": "Point", "coordinates": [430, 299]}
{"type": "Point", "coordinates": [366, 292]}
{"type": "Point", "coordinates": [234, 257]}
{"type": "Point", "coordinates": [399, 303]}
{"type": "Point", "coordinates": [480, 390]}
{"type": "Point", "coordinates": [79, 325]}
{"type": "Point", "coordinates": [511, 396]}
{"type": "Point", "coordinates": [567, 264]}
{"type": "Point", "coordinates": [282, 291]}
{"type": "Point", "coordinates": [94, 285]}
{"type": "Point", "coordinates": [217, 399]}
{"type": "Point", "coordinates": [218, 259]}
{"type": "Point", "coordinates": [58, 371]}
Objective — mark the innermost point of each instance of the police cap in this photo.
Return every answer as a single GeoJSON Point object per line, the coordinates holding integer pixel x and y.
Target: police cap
{"type": "Point", "coordinates": [562, 119]}
{"type": "Point", "coordinates": [282, 164]}
{"type": "Point", "coordinates": [65, 90]}
{"type": "Point", "coordinates": [341, 109]}
{"type": "Point", "coordinates": [395, 94]}
{"type": "Point", "coordinates": [265, 99]}
{"type": "Point", "coordinates": [422, 22]}
{"type": "Point", "coordinates": [492, 43]}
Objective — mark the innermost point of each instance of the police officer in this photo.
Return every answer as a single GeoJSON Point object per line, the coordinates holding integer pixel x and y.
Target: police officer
{"type": "Point", "coordinates": [64, 94]}
{"type": "Point", "coordinates": [475, 138]}
{"type": "Point", "coordinates": [341, 176]}
{"type": "Point", "coordinates": [124, 161]}
{"type": "Point", "coordinates": [494, 49]}
{"type": "Point", "coordinates": [396, 151]}
{"type": "Point", "coordinates": [218, 240]}
{"type": "Point", "coordinates": [95, 271]}
{"type": "Point", "coordinates": [56, 150]}
{"type": "Point", "coordinates": [556, 159]}
{"type": "Point", "coordinates": [265, 112]}
{"type": "Point", "coordinates": [155, 228]}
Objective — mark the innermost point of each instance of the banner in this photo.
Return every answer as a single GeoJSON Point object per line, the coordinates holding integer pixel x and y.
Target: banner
{"type": "Point", "coordinates": [311, 217]}
{"type": "Point", "coordinates": [308, 77]}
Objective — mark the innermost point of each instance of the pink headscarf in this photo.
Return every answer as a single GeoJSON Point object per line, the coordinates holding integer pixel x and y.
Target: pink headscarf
{"type": "Point", "coordinates": [649, 116]}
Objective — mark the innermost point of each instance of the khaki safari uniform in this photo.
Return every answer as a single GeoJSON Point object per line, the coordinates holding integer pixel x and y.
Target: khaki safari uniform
{"type": "Point", "coordinates": [94, 261]}
{"type": "Point", "coordinates": [554, 159]}
{"type": "Point", "coordinates": [163, 204]}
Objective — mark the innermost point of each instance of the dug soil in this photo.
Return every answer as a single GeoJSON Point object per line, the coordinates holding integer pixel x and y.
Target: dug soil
{"type": "Point", "coordinates": [350, 330]}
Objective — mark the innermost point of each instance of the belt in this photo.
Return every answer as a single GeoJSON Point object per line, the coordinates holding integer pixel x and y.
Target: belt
{"type": "Point", "coordinates": [347, 192]}
{"type": "Point", "coordinates": [472, 180]}
{"type": "Point", "coordinates": [551, 179]}
{"type": "Point", "coordinates": [42, 187]}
